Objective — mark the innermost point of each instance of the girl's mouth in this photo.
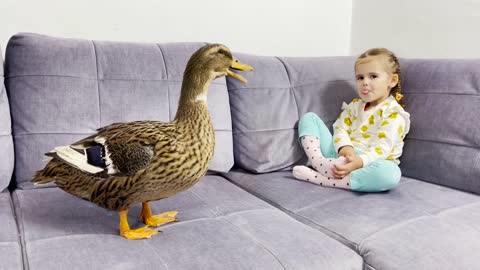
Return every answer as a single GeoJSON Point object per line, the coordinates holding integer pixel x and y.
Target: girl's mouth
{"type": "Point", "coordinates": [365, 92]}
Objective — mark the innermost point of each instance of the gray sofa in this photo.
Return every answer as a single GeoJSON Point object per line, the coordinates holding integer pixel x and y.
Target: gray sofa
{"type": "Point", "coordinates": [248, 212]}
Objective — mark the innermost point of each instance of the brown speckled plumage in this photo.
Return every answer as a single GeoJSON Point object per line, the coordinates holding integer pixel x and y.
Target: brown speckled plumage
{"type": "Point", "coordinates": [154, 160]}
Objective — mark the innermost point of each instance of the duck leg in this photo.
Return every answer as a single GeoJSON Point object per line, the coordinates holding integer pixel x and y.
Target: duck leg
{"type": "Point", "coordinates": [157, 220]}
{"type": "Point", "coordinates": [140, 233]}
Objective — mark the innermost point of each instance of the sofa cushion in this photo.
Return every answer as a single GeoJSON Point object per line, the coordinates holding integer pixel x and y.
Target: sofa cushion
{"type": "Point", "coordinates": [221, 227]}
{"type": "Point", "coordinates": [443, 98]}
{"type": "Point", "coordinates": [10, 251]}
{"type": "Point", "coordinates": [6, 143]}
{"type": "Point", "coordinates": [416, 223]}
{"type": "Point", "coordinates": [265, 111]}
{"type": "Point", "coordinates": [61, 90]}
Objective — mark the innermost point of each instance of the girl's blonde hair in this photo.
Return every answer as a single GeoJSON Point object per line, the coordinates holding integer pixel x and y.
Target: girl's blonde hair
{"type": "Point", "coordinates": [393, 65]}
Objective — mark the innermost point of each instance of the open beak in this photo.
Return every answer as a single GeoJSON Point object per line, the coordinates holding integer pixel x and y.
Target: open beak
{"type": "Point", "coordinates": [238, 66]}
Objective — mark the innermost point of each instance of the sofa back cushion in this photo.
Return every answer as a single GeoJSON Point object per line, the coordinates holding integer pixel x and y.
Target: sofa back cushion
{"type": "Point", "coordinates": [62, 90]}
{"type": "Point", "coordinates": [265, 111]}
{"type": "Point", "coordinates": [443, 99]}
{"type": "Point", "coordinates": [6, 143]}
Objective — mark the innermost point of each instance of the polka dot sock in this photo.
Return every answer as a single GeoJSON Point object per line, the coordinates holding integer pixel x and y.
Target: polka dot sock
{"type": "Point", "coordinates": [311, 146]}
{"type": "Point", "coordinates": [306, 174]}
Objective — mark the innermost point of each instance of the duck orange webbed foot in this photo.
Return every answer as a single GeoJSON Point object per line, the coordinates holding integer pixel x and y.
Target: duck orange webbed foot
{"type": "Point", "coordinates": [156, 220]}
{"type": "Point", "coordinates": [135, 234]}
{"type": "Point", "coordinates": [140, 233]}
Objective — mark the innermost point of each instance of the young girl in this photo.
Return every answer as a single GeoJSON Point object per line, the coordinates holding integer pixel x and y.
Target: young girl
{"type": "Point", "coordinates": [368, 135]}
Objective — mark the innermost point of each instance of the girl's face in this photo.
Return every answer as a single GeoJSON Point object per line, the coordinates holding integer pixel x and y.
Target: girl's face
{"type": "Point", "coordinates": [373, 81]}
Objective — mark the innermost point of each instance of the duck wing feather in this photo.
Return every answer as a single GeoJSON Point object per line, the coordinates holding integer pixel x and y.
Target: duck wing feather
{"type": "Point", "coordinates": [128, 147]}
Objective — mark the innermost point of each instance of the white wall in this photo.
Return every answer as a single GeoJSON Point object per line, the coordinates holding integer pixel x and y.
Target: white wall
{"type": "Point", "coordinates": [270, 27]}
{"type": "Point", "coordinates": [418, 28]}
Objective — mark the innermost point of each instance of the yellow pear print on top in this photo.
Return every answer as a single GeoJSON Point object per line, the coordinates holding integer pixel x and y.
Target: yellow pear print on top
{"type": "Point", "coordinates": [371, 120]}
{"type": "Point", "coordinates": [390, 158]}
{"type": "Point", "coordinates": [385, 123]}
{"type": "Point", "coordinates": [337, 140]}
{"type": "Point", "coordinates": [379, 150]}
{"type": "Point", "coordinates": [366, 136]}
{"type": "Point", "coordinates": [382, 135]}
{"type": "Point", "coordinates": [347, 121]}
{"type": "Point", "coordinates": [400, 130]}
{"type": "Point", "coordinates": [355, 100]}
{"type": "Point", "coordinates": [380, 112]}
{"type": "Point", "coordinates": [364, 128]}
{"type": "Point", "coordinates": [393, 115]}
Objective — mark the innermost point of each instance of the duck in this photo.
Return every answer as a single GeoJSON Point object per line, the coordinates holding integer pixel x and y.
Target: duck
{"type": "Point", "coordinates": [143, 161]}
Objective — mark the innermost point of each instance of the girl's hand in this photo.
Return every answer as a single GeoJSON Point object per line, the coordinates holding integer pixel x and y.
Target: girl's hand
{"type": "Point", "coordinates": [353, 163]}
{"type": "Point", "coordinates": [347, 151]}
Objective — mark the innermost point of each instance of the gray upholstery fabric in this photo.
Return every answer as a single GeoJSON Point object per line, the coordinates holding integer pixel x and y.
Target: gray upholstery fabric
{"type": "Point", "coordinates": [443, 98]}
{"type": "Point", "coordinates": [61, 90]}
{"type": "Point", "coordinates": [265, 111]}
{"type": "Point", "coordinates": [417, 225]}
{"type": "Point", "coordinates": [10, 251]}
{"type": "Point", "coordinates": [221, 227]}
{"type": "Point", "coordinates": [6, 143]}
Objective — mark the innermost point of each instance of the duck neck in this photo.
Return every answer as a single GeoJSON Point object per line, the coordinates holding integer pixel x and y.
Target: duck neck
{"type": "Point", "coordinates": [193, 97]}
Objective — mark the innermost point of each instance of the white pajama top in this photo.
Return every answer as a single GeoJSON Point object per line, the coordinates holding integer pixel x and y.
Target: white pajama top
{"type": "Point", "coordinates": [377, 133]}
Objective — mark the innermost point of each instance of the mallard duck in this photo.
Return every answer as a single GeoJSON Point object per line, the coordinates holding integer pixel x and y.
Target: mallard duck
{"type": "Point", "coordinates": [143, 161]}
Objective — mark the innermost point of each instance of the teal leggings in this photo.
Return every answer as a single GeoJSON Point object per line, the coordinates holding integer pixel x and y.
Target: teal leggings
{"type": "Point", "coordinates": [380, 175]}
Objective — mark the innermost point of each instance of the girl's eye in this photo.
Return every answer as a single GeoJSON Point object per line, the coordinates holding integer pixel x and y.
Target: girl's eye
{"type": "Point", "coordinates": [359, 78]}
{"type": "Point", "coordinates": [373, 76]}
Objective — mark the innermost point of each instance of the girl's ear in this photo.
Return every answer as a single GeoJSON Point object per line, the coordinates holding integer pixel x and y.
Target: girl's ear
{"type": "Point", "coordinates": [394, 81]}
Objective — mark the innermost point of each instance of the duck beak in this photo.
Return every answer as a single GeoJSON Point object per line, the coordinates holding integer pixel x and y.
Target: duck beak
{"type": "Point", "coordinates": [238, 66]}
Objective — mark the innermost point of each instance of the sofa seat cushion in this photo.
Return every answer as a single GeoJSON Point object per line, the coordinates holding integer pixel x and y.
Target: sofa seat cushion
{"type": "Point", "coordinates": [10, 251]}
{"type": "Point", "coordinates": [221, 227]}
{"type": "Point", "coordinates": [416, 223]}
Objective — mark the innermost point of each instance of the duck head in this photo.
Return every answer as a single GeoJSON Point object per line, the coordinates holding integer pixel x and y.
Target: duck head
{"type": "Point", "coordinates": [205, 65]}
{"type": "Point", "coordinates": [213, 61]}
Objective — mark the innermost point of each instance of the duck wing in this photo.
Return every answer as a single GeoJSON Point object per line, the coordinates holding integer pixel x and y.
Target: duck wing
{"type": "Point", "coordinates": [119, 149]}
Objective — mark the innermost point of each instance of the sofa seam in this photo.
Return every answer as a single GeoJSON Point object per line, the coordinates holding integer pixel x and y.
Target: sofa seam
{"type": "Point", "coordinates": [428, 215]}
{"type": "Point", "coordinates": [202, 200]}
{"type": "Point", "coordinates": [367, 264]}
{"type": "Point", "coordinates": [168, 85]}
{"type": "Point", "coordinates": [438, 93]}
{"type": "Point", "coordinates": [436, 141]}
{"type": "Point", "coordinates": [21, 229]}
{"type": "Point", "coordinates": [105, 79]}
{"type": "Point", "coordinates": [98, 84]}
{"type": "Point", "coordinates": [254, 240]}
{"type": "Point", "coordinates": [217, 217]}
{"type": "Point", "coordinates": [80, 133]}
{"type": "Point", "coordinates": [402, 223]}
{"type": "Point", "coordinates": [19, 238]}
{"type": "Point", "coordinates": [291, 88]}
{"type": "Point", "coordinates": [291, 85]}
{"type": "Point", "coordinates": [159, 256]}
{"type": "Point", "coordinates": [455, 208]}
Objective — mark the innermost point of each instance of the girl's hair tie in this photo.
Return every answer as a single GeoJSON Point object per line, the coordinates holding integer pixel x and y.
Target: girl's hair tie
{"type": "Point", "coordinates": [398, 96]}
